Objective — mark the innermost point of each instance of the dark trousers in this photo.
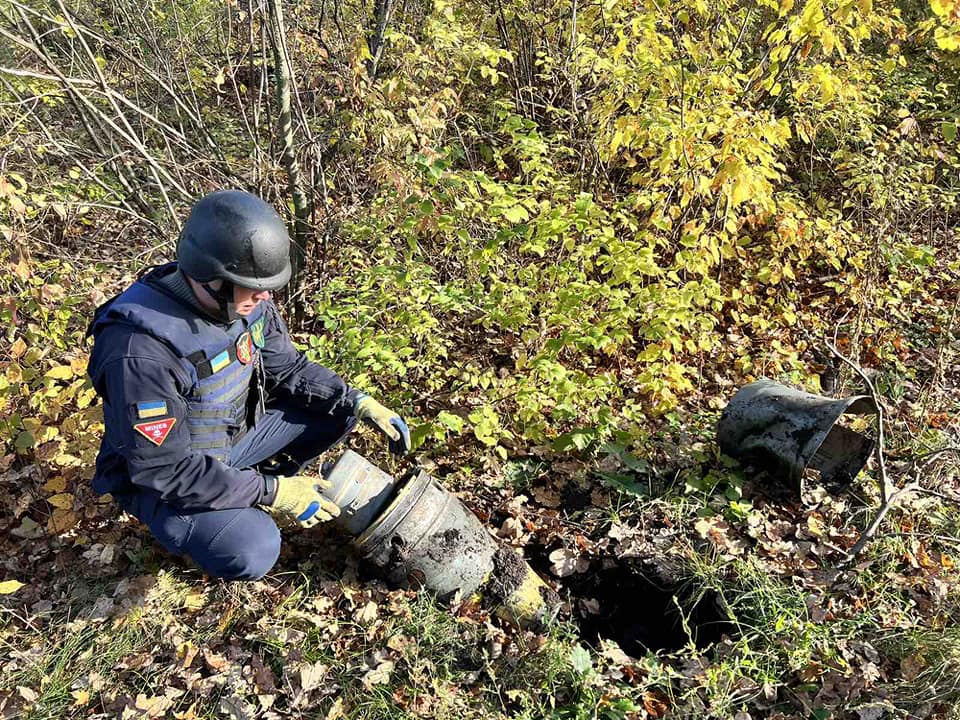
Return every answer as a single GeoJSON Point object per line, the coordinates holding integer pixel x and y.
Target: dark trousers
{"type": "Point", "coordinates": [243, 543]}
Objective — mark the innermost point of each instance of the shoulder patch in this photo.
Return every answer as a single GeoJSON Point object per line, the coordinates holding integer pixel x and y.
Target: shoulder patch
{"type": "Point", "coordinates": [153, 408]}
{"type": "Point", "coordinates": [245, 348]}
{"type": "Point", "coordinates": [256, 330]}
{"type": "Point", "coordinates": [155, 431]}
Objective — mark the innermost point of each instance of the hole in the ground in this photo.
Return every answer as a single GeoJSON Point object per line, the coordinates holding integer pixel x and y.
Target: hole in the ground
{"type": "Point", "coordinates": [635, 608]}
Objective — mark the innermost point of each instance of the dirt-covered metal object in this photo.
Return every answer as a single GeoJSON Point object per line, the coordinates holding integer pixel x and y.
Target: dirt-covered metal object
{"type": "Point", "coordinates": [425, 537]}
{"type": "Point", "coordinates": [518, 593]}
{"type": "Point", "coordinates": [418, 534]}
{"type": "Point", "coordinates": [360, 489]}
{"type": "Point", "coordinates": [790, 433]}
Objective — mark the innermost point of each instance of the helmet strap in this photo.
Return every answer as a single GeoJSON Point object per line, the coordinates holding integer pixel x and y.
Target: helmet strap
{"type": "Point", "coordinates": [224, 297]}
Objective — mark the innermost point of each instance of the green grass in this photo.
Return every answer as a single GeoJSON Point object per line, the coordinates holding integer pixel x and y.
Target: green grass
{"type": "Point", "coordinates": [70, 649]}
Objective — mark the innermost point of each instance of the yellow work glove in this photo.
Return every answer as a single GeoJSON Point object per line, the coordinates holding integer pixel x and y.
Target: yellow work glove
{"type": "Point", "coordinates": [298, 497]}
{"type": "Point", "coordinates": [384, 420]}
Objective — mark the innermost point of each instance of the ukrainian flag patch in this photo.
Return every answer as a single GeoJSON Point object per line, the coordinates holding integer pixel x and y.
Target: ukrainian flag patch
{"type": "Point", "coordinates": [151, 409]}
{"type": "Point", "coordinates": [220, 361]}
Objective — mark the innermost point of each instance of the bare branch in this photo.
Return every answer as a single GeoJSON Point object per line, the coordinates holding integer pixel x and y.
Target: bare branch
{"type": "Point", "coordinates": [881, 462]}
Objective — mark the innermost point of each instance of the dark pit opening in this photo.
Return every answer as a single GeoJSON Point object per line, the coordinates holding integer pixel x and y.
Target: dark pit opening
{"type": "Point", "coordinates": [638, 610]}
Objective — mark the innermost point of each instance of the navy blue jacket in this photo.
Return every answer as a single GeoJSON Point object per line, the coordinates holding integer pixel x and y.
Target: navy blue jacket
{"type": "Point", "coordinates": [143, 382]}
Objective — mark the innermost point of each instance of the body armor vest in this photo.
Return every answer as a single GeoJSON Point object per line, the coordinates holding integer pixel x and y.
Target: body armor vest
{"type": "Point", "coordinates": [221, 361]}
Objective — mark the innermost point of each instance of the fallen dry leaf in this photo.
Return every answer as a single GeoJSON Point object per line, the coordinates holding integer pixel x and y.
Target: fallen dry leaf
{"type": "Point", "coordinates": [56, 484]}
{"type": "Point", "coordinates": [567, 562]}
{"type": "Point", "coordinates": [547, 497]}
{"type": "Point", "coordinates": [263, 677]}
{"type": "Point", "coordinates": [655, 703]}
{"type": "Point", "coordinates": [511, 530]}
{"type": "Point", "coordinates": [99, 554]}
{"type": "Point", "coordinates": [911, 667]}
{"type": "Point", "coordinates": [368, 613]}
{"type": "Point", "coordinates": [149, 707]}
{"type": "Point", "coordinates": [716, 530]}
{"type": "Point", "coordinates": [380, 675]}
{"type": "Point", "coordinates": [61, 521]}
{"type": "Point", "coordinates": [10, 586]}
{"type": "Point", "coordinates": [215, 661]}
{"type": "Point", "coordinates": [64, 501]}
{"type": "Point", "coordinates": [312, 675]}
{"type": "Point", "coordinates": [29, 529]}
{"type": "Point", "coordinates": [186, 652]}
{"type": "Point", "coordinates": [102, 608]}
{"type": "Point", "coordinates": [195, 599]}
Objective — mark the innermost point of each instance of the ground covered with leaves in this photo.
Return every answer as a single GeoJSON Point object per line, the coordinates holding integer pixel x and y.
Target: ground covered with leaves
{"type": "Point", "coordinates": [691, 588]}
{"type": "Point", "coordinates": [558, 237]}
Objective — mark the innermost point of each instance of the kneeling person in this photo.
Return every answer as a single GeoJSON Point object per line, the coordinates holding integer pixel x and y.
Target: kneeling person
{"type": "Point", "coordinates": [200, 383]}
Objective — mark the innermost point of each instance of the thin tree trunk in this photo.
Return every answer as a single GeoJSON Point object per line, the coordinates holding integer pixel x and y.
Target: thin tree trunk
{"type": "Point", "coordinates": [301, 204]}
{"type": "Point", "coordinates": [382, 10]}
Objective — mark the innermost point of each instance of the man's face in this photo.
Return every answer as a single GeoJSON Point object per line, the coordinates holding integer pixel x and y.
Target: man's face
{"type": "Point", "coordinates": [246, 299]}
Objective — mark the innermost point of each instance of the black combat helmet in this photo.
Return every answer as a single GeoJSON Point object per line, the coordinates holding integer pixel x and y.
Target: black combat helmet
{"type": "Point", "coordinates": [236, 237]}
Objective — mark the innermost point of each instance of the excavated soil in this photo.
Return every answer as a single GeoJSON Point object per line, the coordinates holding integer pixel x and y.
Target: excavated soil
{"type": "Point", "coordinates": [509, 570]}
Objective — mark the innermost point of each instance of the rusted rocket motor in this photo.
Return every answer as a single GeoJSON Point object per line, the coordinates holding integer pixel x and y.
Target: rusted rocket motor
{"type": "Point", "coordinates": [791, 433]}
{"type": "Point", "coordinates": [420, 535]}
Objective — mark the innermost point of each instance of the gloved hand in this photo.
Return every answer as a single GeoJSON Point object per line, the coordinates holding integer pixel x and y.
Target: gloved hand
{"type": "Point", "coordinates": [298, 497]}
{"type": "Point", "coordinates": [384, 420]}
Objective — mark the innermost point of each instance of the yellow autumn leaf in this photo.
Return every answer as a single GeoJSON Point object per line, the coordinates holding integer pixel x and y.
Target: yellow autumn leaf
{"type": "Point", "coordinates": [61, 521]}
{"type": "Point", "coordinates": [188, 714]}
{"type": "Point", "coordinates": [80, 697]}
{"type": "Point", "coordinates": [742, 188]}
{"type": "Point", "coordinates": [10, 586]}
{"type": "Point", "coordinates": [18, 348]}
{"type": "Point", "coordinates": [946, 39]}
{"type": "Point", "coordinates": [56, 484]}
{"type": "Point", "coordinates": [63, 372]}
{"type": "Point", "coordinates": [64, 501]}
{"type": "Point", "coordinates": [336, 710]}
{"type": "Point", "coordinates": [943, 8]}
{"type": "Point", "coordinates": [195, 600]}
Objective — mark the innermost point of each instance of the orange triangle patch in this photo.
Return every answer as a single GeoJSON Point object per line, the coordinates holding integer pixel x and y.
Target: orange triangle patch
{"type": "Point", "coordinates": [155, 431]}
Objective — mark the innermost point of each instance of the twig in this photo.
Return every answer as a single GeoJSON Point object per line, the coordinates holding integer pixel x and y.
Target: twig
{"type": "Point", "coordinates": [573, 74]}
{"type": "Point", "coordinates": [886, 500]}
{"type": "Point", "coordinates": [875, 525]}
{"type": "Point", "coordinates": [927, 458]}
{"type": "Point", "coordinates": [880, 428]}
{"type": "Point", "coordinates": [42, 76]}
{"type": "Point", "coordinates": [192, 113]}
{"type": "Point", "coordinates": [101, 118]}
{"type": "Point", "coordinates": [916, 466]}
{"type": "Point", "coordinates": [89, 173]}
